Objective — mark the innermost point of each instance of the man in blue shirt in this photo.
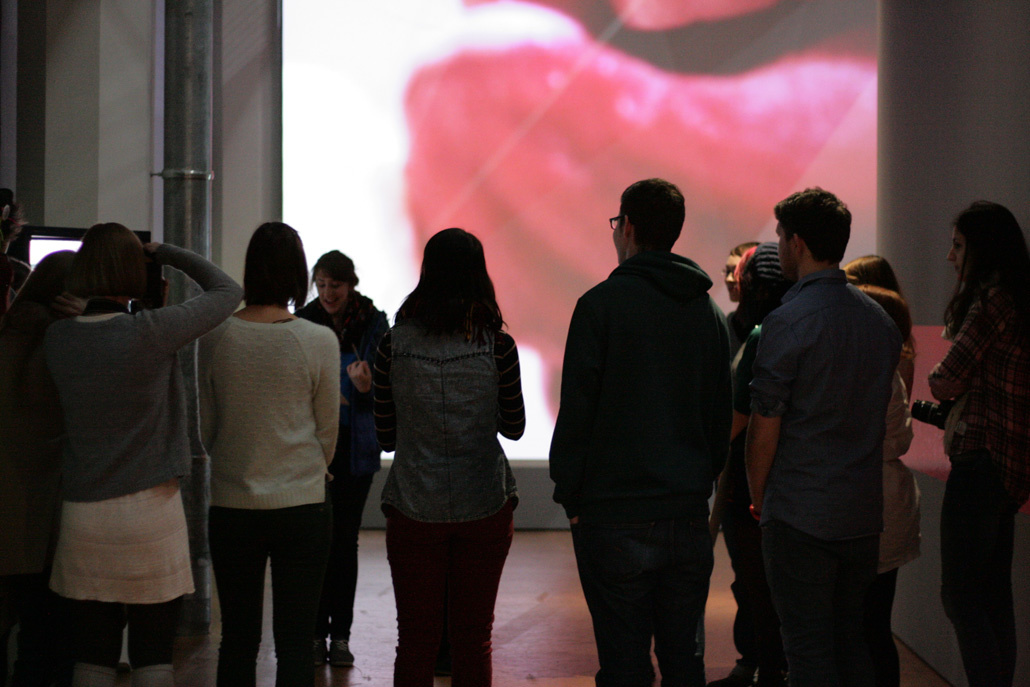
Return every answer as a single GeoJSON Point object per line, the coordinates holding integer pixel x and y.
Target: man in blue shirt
{"type": "Point", "coordinates": [822, 381]}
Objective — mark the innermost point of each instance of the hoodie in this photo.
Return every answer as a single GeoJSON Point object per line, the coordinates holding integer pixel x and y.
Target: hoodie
{"type": "Point", "coordinates": [644, 421]}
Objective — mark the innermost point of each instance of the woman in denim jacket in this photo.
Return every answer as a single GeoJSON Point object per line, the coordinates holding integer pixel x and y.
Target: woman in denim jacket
{"type": "Point", "coordinates": [446, 383]}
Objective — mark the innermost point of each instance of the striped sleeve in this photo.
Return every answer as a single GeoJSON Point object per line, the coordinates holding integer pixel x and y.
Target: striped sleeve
{"type": "Point", "coordinates": [511, 412]}
{"type": "Point", "coordinates": [384, 410]}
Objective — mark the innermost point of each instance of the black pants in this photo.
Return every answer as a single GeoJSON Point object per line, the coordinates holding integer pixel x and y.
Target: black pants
{"type": "Point", "coordinates": [743, 539]}
{"type": "Point", "coordinates": [98, 629]}
{"type": "Point", "coordinates": [879, 601]}
{"type": "Point", "coordinates": [296, 541]}
{"type": "Point", "coordinates": [336, 609]}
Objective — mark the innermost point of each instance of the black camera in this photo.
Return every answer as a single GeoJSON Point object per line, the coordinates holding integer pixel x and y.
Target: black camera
{"type": "Point", "coordinates": [931, 413]}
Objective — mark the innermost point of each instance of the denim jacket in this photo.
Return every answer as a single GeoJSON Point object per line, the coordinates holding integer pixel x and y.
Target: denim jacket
{"type": "Point", "coordinates": [449, 465]}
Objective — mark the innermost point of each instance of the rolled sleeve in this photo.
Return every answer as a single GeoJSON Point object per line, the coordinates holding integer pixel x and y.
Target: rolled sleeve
{"type": "Point", "coordinates": [774, 369]}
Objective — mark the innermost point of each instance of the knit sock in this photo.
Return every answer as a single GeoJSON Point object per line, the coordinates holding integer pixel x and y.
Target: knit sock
{"type": "Point", "coordinates": [92, 675]}
{"type": "Point", "coordinates": [153, 676]}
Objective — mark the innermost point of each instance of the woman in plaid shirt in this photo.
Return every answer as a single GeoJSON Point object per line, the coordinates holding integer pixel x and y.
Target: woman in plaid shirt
{"type": "Point", "coordinates": [988, 365]}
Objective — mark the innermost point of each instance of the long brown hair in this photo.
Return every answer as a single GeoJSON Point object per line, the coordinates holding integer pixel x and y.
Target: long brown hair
{"type": "Point", "coordinates": [454, 292]}
{"type": "Point", "coordinates": [996, 254]}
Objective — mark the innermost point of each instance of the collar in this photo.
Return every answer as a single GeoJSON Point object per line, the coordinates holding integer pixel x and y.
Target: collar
{"type": "Point", "coordinates": [103, 306]}
{"type": "Point", "coordinates": [834, 275]}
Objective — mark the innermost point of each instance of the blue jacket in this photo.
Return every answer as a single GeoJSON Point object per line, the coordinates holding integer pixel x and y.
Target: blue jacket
{"type": "Point", "coordinates": [364, 451]}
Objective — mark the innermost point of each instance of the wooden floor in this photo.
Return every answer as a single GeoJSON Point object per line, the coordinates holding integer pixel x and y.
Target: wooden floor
{"type": "Point", "coordinates": [542, 633]}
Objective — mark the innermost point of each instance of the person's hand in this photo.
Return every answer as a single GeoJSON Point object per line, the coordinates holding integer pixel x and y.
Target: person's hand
{"type": "Point", "coordinates": [68, 305]}
{"type": "Point", "coordinates": [360, 376]}
{"type": "Point", "coordinates": [150, 248]}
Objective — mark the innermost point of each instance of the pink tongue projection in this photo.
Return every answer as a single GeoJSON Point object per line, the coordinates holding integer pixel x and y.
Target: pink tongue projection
{"type": "Point", "coordinates": [530, 146]}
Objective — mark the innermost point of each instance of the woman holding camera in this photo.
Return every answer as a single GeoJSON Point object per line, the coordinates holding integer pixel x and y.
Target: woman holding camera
{"type": "Point", "coordinates": [123, 551]}
{"type": "Point", "coordinates": [988, 369]}
{"type": "Point", "coordinates": [446, 383]}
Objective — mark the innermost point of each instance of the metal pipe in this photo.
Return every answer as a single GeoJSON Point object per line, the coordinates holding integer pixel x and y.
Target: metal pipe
{"type": "Point", "coordinates": [187, 189]}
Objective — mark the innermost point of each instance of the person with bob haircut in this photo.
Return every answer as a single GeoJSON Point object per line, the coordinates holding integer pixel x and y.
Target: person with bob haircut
{"type": "Point", "coordinates": [358, 326]}
{"type": "Point", "coordinates": [446, 382]}
{"type": "Point", "coordinates": [123, 552]}
{"type": "Point", "coordinates": [987, 371]}
{"type": "Point", "coordinates": [31, 433]}
{"type": "Point", "coordinates": [269, 411]}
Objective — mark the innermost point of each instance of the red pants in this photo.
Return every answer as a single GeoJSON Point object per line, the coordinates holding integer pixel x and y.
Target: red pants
{"type": "Point", "coordinates": [428, 560]}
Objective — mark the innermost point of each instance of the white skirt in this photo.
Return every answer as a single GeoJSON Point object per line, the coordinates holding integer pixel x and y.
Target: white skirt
{"type": "Point", "coordinates": [131, 549]}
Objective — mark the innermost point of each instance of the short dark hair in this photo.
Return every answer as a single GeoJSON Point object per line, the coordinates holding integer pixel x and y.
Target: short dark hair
{"type": "Point", "coordinates": [275, 271]}
{"type": "Point", "coordinates": [454, 292]}
{"type": "Point", "coordinates": [109, 263]}
{"type": "Point", "coordinates": [820, 218]}
{"type": "Point", "coordinates": [656, 209]}
{"type": "Point", "coordinates": [337, 267]}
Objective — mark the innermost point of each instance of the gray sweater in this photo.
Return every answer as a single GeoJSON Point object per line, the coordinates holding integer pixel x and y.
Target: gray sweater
{"type": "Point", "coordinates": [121, 389]}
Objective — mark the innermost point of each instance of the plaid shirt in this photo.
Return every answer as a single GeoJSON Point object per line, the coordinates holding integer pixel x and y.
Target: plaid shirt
{"type": "Point", "coordinates": [990, 359]}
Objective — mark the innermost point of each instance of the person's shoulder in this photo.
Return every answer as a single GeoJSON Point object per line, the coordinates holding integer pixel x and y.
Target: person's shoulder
{"type": "Point", "coordinates": [313, 331]}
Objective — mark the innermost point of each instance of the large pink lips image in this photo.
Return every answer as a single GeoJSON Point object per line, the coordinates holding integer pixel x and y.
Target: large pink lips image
{"type": "Point", "coordinates": [530, 145]}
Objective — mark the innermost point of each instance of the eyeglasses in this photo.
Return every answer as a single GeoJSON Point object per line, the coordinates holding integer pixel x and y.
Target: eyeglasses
{"type": "Point", "coordinates": [614, 221]}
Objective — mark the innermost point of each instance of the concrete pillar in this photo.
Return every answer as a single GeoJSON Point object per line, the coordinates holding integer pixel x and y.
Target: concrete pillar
{"type": "Point", "coordinates": [954, 127]}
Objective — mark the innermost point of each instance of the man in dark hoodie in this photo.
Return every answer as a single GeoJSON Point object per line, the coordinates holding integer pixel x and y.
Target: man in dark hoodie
{"type": "Point", "coordinates": [642, 431]}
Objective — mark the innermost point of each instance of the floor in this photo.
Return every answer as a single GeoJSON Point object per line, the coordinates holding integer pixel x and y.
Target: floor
{"type": "Point", "coordinates": [542, 633]}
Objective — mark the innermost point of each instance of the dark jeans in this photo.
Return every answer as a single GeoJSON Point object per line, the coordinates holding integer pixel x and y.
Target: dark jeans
{"type": "Point", "coordinates": [296, 540]}
{"type": "Point", "coordinates": [759, 630]}
{"type": "Point", "coordinates": [98, 629]}
{"type": "Point", "coordinates": [461, 562]}
{"type": "Point", "coordinates": [879, 601]}
{"type": "Point", "coordinates": [977, 529]}
{"type": "Point", "coordinates": [45, 654]}
{"type": "Point", "coordinates": [644, 580]}
{"type": "Point", "coordinates": [818, 588]}
{"type": "Point", "coordinates": [336, 609]}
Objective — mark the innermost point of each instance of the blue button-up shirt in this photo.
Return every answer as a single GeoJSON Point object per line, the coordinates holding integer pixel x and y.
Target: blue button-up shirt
{"type": "Point", "coordinates": [824, 365]}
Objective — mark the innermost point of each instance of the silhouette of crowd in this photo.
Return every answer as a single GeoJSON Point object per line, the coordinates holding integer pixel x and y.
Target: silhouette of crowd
{"type": "Point", "coordinates": [795, 411]}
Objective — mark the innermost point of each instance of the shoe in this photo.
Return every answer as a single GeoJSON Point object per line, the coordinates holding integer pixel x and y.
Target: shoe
{"type": "Point", "coordinates": [740, 676]}
{"type": "Point", "coordinates": [320, 655]}
{"type": "Point", "coordinates": [339, 654]}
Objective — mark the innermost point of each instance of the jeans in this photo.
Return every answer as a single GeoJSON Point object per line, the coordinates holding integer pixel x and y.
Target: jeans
{"type": "Point", "coordinates": [977, 529]}
{"type": "Point", "coordinates": [459, 561]}
{"type": "Point", "coordinates": [818, 588]}
{"type": "Point", "coordinates": [743, 539]}
{"type": "Point", "coordinates": [644, 580]}
{"type": "Point", "coordinates": [336, 609]}
{"type": "Point", "coordinates": [296, 540]}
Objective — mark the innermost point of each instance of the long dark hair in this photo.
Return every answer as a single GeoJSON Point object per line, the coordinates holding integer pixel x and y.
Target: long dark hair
{"type": "Point", "coordinates": [996, 255]}
{"type": "Point", "coordinates": [454, 292]}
